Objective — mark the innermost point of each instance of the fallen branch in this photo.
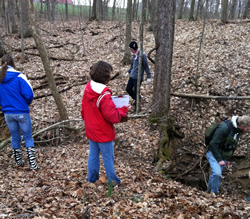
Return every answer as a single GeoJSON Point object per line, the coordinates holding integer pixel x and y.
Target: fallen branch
{"type": "Point", "coordinates": [211, 97]}
{"type": "Point", "coordinates": [54, 126]}
{"type": "Point", "coordinates": [57, 58]}
{"type": "Point", "coordinates": [191, 168]}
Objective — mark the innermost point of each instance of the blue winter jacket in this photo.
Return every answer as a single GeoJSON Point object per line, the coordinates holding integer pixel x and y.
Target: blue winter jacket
{"type": "Point", "coordinates": [135, 66]}
{"type": "Point", "coordinates": [16, 93]}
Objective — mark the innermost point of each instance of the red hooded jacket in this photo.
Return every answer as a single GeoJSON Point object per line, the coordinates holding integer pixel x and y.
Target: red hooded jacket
{"type": "Point", "coordinates": [99, 112]}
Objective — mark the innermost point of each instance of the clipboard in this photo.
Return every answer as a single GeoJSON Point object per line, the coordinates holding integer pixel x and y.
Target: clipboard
{"type": "Point", "coordinates": [120, 100]}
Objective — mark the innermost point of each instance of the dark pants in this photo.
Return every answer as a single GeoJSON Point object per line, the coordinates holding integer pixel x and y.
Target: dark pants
{"type": "Point", "coordinates": [132, 88]}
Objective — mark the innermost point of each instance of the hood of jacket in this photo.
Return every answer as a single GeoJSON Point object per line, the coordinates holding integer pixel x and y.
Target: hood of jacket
{"type": "Point", "coordinates": [94, 89]}
{"type": "Point", "coordinates": [11, 75]}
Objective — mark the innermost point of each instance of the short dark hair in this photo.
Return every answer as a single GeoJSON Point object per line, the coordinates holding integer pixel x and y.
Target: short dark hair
{"type": "Point", "coordinates": [100, 72]}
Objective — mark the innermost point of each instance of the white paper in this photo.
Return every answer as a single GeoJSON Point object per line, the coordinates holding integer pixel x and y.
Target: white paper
{"type": "Point", "coordinates": [121, 100]}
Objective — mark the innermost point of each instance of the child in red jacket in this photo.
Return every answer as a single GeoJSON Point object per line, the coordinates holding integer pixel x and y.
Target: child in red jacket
{"type": "Point", "coordinates": [99, 113]}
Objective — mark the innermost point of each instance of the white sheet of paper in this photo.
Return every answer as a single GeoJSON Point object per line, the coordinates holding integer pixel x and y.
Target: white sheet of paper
{"type": "Point", "coordinates": [121, 100]}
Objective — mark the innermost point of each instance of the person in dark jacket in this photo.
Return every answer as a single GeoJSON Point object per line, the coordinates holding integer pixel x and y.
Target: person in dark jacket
{"type": "Point", "coordinates": [221, 148]}
{"type": "Point", "coordinates": [133, 71]}
{"type": "Point", "coordinates": [16, 95]}
{"type": "Point", "coordinates": [99, 113]}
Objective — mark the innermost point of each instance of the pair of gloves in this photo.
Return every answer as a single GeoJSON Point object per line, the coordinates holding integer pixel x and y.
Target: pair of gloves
{"type": "Point", "coordinates": [148, 79]}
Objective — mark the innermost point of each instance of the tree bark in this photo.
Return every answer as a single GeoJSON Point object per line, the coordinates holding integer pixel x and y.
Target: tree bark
{"type": "Point", "coordinates": [11, 7]}
{"type": "Point", "coordinates": [224, 11]}
{"type": "Point", "coordinates": [113, 10]}
{"type": "Point", "coordinates": [25, 19]}
{"type": "Point", "coordinates": [45, 60]}
{"type": "Point", "coordinates": [127, 55]}
{"type": "Point", "coordinates": [247, 9]}
{"type": "Point", "coordinates": [191, 12]}
{"type": "Point", "coordinates": [94, 9]}
{"type": "Point", "coordinates": [66, 10]}
{"type": "Point", "coordinates": [163, 60]}
{"type": "Point", "coordinates": [153, 16]}
{"type": "Point", "coordinates": [233, 9]}
{"type": "Point", "coordinates": [181, 4]}
{"type": "Point", "coordinates": [140, 59]}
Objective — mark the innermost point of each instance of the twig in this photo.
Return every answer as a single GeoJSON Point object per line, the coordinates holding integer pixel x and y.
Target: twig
{"type": "Point", "coordinates": [211, 97]}
{"type": "Point", "coordinates": [191, 168]}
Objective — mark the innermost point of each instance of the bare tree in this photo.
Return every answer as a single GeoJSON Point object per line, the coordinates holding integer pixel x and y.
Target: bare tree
{"type": "Point", "coordinates": [11, 8]}
{"type": "Point", "coordinates": [26, 30]}
{"type": "Point", "coordinates": [162, 78]}
{"type": "Point", "coordinates": [48, 10]}
{"type": "Point", "coordinates": [53, 9]}
{"type": "Point", "coordinates": [17, 9]}
{"type": "Point", "coordinates": [152, 6]}
{"type": "Point", "coordinates": [141, 53]}
{"type": "Point", "coordinates": [94, 10]}
{"type": "Point", "coordinates": [66, 10]}
{"type": "Point", "coordinates": [2, 50]}
{"type": "Point", "coordinates": [233, 9]}
{"type": "Point", "coordinates": [246, 13]}
{"type": "Point", "coordinates": [113, 10]}
{"type": "Point", "coordinates": [180, 9]}
{"type": "Point", "coordinates": [191, 12]}
{"type": "Point", "coordinates": [224, 11]}
{"type": "Point", "coordinates": [217, 8]}
{"type": "Point", "coordinates": [198, 9]}
{"type": "Point", "coordinates": [127, 55]}
{"type": "Point", "coordinates": [45, 60]}
{"type": "Point", "coordinates": [163, 59]}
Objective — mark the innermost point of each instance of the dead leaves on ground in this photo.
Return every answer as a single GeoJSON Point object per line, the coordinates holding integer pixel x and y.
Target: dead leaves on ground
{"type": "Point", "coordinates": [59, 189]}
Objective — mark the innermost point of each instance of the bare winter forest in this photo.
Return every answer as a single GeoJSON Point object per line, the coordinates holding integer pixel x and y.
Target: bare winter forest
{"type": "Point", "coordinates": [60, 190]}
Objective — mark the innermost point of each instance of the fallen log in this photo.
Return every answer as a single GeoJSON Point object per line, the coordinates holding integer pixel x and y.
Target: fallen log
{"type": "Point", "coordinates": [198, 96]}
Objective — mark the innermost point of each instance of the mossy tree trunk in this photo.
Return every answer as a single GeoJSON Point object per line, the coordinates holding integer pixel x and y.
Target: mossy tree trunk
{"type": "Point", "coordinates": [162, 80]}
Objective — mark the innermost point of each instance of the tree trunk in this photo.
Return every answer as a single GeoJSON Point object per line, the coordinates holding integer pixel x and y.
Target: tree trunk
{"type": "Point", "coordinates": [113, 10]}
{"type": "Point", "coordinates": [66, 10]}
{"type": "Point", "coordinates": [191, 12]}
{"type": "Point", "coordinates": [53, 9]}
{"type": "Point", "coordinates": [48, 9]}
{"type": "Point", "coordinates": [127, 55]}
{"type": "Point", "coordinates": [163, 60]}
{"type": "Point", "coordinates": [25, 19]}
{"type": "Point", "coordinates": [45, 60]}
{"type": "Point", "coordinates": [140, 59]}
{"type": "Point", "coordinates": [11, 7]}
{"type": "Point", "coordinates": [17, 10]}
{"type": "Point", "coordinates": [224, 11]}
{"type": "Point", "coordinates": [180, 9]}
{"type": "Point", "coordinates": [233, 9]}
{"type": "Point", "coordinates": [239, 9]}
{"type": "Point", "coordinates": [247, 9]}
{"type": "Point", "coordinates": [152, 5]}
{"type": "Point", "coordinates": [217, 8]}
{"type": "Point", "coordinates": [198, 9]}
{"type": "Point", "coordinates": [2, 50]}
{"type": "Point", "coordinates": [94, 9]}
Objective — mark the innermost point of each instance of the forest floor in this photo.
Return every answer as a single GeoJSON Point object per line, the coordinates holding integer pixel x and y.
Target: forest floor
{"type": "Point", "coordinates": [60, 190]}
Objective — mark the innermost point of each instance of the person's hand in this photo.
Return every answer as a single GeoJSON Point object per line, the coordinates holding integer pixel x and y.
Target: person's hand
{"type": "Point", "coordinates": [222, 163]}
{"type": "Point", "coordinates": [128, 107]}
{"type": "Point", "coordinates": [127, 74]}
{"type": "Point", "coordinates": [148, 80]}
{"type": "Point", "coordinates": [227, 163]}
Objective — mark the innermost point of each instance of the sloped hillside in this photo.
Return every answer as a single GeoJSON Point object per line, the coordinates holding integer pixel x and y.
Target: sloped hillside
{"type": "Point", "coordinates": [59, 189]}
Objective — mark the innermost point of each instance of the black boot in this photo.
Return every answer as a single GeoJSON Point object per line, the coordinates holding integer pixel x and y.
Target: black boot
{"type": "Point", "coordinates": [17, 154]}
{"type": "Point", "coordinates": [31, 154]}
